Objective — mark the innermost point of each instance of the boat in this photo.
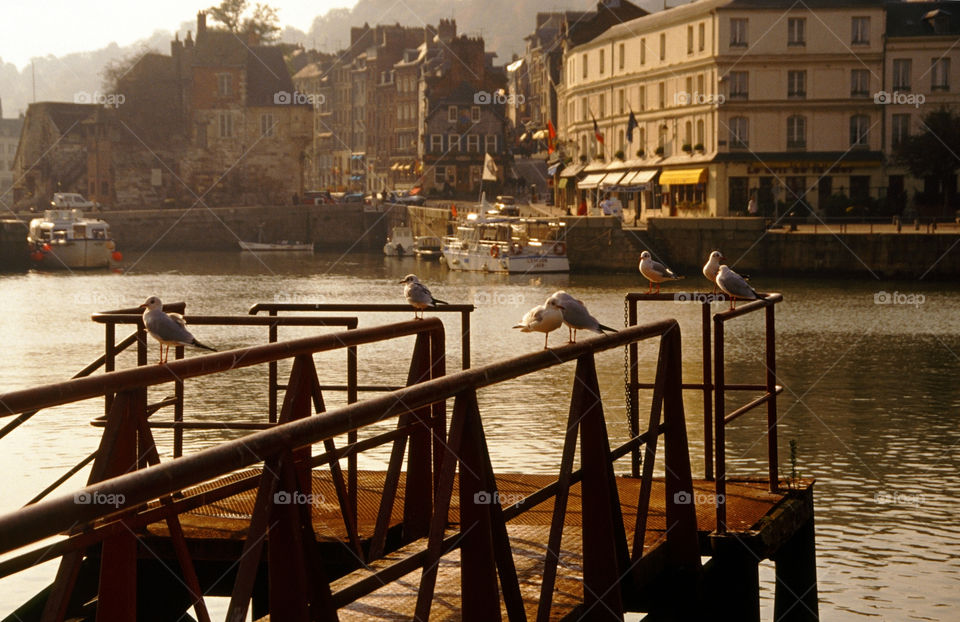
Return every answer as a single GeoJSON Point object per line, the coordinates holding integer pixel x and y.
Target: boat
{"type": "Point", "coordinates": [283, 245]}
{"type": "Point", "coordinates": [65, 238]}
{"type": "Point", "coordinates": [507, 245]}
{"type": "Point", "coordinates": [400, 242]}
{"type": "Point", "coordinates": [428, 246]}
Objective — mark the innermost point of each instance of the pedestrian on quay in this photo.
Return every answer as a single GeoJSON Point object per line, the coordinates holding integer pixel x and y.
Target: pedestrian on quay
{"type": "Point", "coordinates": [752, 205]}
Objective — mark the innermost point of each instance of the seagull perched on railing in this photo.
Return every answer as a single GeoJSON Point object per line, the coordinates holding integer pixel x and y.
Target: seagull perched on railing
{"type": "Point", "coordinates": [418, 295]}
{"type": "Point", "coordinates": [735, 286]}
{"type": "Point", "coordinates": [655, 272]}
{"type": "Point", "coordinates": [167, 328]}
{"type": "Point", "coordinates": [712, 267]}
{"type": "Point", "coordinates": [542, 318]}
{"type": "Point", "coordinates": [576, 316]}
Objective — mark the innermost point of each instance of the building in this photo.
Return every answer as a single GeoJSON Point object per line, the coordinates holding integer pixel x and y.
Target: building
{"type": "Point", "coordinates": [9, 138]}
{"type": "Point", "coordinates": [733, 99]}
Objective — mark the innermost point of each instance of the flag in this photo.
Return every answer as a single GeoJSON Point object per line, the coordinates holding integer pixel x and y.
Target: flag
{"type": "Point", "coordinates": [631, 125]}
{"type": "Point", "coordinates": [596, 130]}
{"type": "Point", "coordinates": [551, 135]}
{"type": "Point", "coordinates": [489, 169]}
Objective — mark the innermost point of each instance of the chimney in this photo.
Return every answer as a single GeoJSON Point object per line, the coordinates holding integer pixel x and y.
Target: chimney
{"type": "Point", "coordinates": [201, 23]}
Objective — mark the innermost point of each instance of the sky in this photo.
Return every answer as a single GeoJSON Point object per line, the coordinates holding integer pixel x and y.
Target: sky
{"type": "Point", "coordinates": [32, 28]}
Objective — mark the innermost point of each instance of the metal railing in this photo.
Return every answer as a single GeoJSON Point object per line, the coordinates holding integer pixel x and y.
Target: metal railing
{"type": "Point", "coordinates": [713, 386]}
{"type": "Point", "coordinates": [161, 492]}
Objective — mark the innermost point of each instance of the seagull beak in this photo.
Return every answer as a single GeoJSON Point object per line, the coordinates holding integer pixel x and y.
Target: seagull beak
{"type": "Point", "coordinates": [143, 306]}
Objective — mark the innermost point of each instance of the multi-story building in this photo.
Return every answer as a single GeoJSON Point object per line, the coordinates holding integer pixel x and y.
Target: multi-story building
{"type": "Point", "coordinates": [732, 98]}
{"type": "Point", "coordinates": [9, 138]}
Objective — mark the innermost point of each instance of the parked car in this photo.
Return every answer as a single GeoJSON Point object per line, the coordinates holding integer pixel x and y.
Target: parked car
{"type": "Point", "coordinates": [352, 197]}
{"type": "Point", "coordinates": [70, 200]}
{"type": "Point", "coordinates": [406, 198]}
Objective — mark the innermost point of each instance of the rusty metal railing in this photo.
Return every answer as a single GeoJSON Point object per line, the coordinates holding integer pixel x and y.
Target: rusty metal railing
{"type": "Point", "coordinates": [162, 491]}
{"type": "Point", "coordinates": [713, 386]}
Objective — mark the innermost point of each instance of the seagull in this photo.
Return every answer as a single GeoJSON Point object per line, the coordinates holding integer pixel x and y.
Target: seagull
{"type": "Point", "coordinates": [655, 272]}
{"type": "Point", "coordinates": [576, 316]}
{"type": "Point", "coordinates": [167, 328]}
{"type": "Point", "coordinates": [735, 286]}
{"type": "Point", "coordinates": [418, 295]}
{"type": "Point", "coordinates": [543, 318]}
{"type": "Point", "coordinates": [712, 267]}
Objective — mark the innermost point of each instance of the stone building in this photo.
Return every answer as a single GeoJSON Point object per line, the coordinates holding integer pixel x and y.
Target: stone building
{"type": "Point", "coordinates": [9, 138]}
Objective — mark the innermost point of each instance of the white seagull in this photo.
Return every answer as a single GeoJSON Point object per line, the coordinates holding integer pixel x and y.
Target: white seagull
{"type": "Point", "coordinates": [712, 267]}
{"type": "Point", "coordinates": [167, 328]}
{"type": "Point", "coordinates": [576, 316]}
{"type": "Point", "coordinates": [543, 318]}
{"type": "Point", "coordinates": [418, 295]}
{"type": "Point", "coordinates": [735, 286]}
{"type": "Point", "coordinates": [655, 272]}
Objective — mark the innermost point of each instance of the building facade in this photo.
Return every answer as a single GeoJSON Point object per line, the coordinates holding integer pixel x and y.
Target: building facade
{"type": "Point", "coordinates": [9, 138]}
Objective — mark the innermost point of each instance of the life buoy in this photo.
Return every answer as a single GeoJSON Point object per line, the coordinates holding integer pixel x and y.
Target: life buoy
{"type": "Point", "coordinates": [560, 248]}
{"type": "Point", "coordinates": [495, 251]}
{"type": "Point", "coordinates": [516, 249]}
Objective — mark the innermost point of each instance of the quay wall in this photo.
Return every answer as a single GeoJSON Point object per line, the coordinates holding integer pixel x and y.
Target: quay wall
{"type": "Point", "coordinates": [14, 253]}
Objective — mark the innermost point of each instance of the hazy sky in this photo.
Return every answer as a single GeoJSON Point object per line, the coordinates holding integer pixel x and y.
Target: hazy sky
{"type": "Point", "coordinates": [38, 27]}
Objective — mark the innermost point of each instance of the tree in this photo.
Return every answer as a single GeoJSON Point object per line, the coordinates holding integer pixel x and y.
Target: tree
{"type": "Point", "coordinates": [263, 22]}
{"type": "Point", "coordinates": [935, 152]}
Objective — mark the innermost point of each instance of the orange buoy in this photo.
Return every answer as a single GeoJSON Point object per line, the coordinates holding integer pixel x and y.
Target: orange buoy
{"type": "Point", "coordinates": [36, 255]}
{"type": "Point", "coordinates": [117, 255]}
{"type": "Point", "coordinates": [495, 251]}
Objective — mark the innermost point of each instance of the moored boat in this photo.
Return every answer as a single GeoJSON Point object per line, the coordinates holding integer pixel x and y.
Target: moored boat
{"type": "Point", "coordinates": [400, 242]}
{"type": "Point", "coordinates": [511, 245]}
{"type": "Point", "coordinates": [282, 245]}
{"type": "Point", "coordinates": [66, 239]}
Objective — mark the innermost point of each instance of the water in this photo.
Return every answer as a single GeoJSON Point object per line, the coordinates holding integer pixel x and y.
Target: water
{"type": "Point", "coordinates": [870, 394]}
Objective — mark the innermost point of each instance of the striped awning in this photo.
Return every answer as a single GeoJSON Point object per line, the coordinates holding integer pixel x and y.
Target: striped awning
{"type": "Point", "coordinates": [683, 176]}
{"type": "Point", "coordinates": [591, 181]}
{"type": "Point", "coordinates": [611, 179]}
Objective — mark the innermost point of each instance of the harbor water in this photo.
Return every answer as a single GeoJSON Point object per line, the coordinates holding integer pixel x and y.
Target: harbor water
{"type": "Point", "coordinates": [869, 370]}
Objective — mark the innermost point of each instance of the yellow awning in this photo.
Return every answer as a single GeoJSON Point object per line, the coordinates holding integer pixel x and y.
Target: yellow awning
{"type": "Point", "coordinates": [682, 176]}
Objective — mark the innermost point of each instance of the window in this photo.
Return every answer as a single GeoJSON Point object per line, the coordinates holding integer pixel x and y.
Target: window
{"type": "Point", "coordinates": [739, 138]}
{"type": "Point", "coordinates": [689, 39]}
{"type": "Point", "coordinates": [702, 36]}
{"type": "Point", "coordinates": [267, 124]}
{"type": "Point", "coordinates": [226, 125]}
{"type": "Point", "coordinates": [473, 143]}
{"type": "Point", "coordinates": [224, 84]}
{"type": "Point", "coordinates": [453, 142]}
{"type": "Point", "coordinates": [602, 105]}
{"type": "Point", "coordinates": [860, 30]}
{"type": "Point", "coordinates": [901, 74]}
{"type": "Point", "coordinates": [573, 112]}
{"type": "Point", "coordinates": [700, 87]}
{"type": "Point", "coordinates": [662, 95]}
{"type": "Point", "coordinates": [490, 143]}
{"type": "Point", "coordinates": [583, 61]}
{"type": "Point", "coordinates": [859, 130]}
{"type": "Point", "coordinates": [738, 32]}
{"type": "Point", "coordinates": [475, 113]}
{"type": "Point", "coordinates": [436, 143]}
{"type": "Point", "coordinates": [700, 132]}
{"type": "Point", "coordinates": [620, 101]}
{"type": "Point", "coordinates": [642, 138]}
{"type": "Point", "coordinates": [643, 50]}
{"type": "Point", "coordinates": [452, 114]}
{"type": "Point", "coordinates": [859, 83]}
{"type": "Point", "coordinates": [602, 61]}
{"type": "Point", "coordinates": [901, 129]}
{"type": "Point", "coordinates": [663, 46]}
{"type": "Point", "coordinates": [202, 135]}
{"type": "Point", "coordinates": [796, 132]}
{"type": "Point", "coordinates": [797, 84]}
{"type": "Point", "coordinates": [620, 139]}
{"type": "Point", "coordinates": [738, 84]}
{"type": "Point", "coordinates": [623, 54]}
{"type": "Point", "coordinates": [688, 133]}
{"type": "Point", "coordinates": [643, 98]}
{"type": "Point", "coordinates": [439, 175]}
{"type": "Point", "coordinates": [583, 109]}
{"type": "Point", "coordinates": [797, 31]}
{"type": "Point", "coordinates": [940, 74]}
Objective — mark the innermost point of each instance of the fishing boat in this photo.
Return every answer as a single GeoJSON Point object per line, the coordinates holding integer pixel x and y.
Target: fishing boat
{"type": "Point", "coordinates": [400, 242]}
{"type": "Point", "coordinates": [282, 245]}
{"type": "Point", "coordinates": [511, 245]}
{"type": "Point", "coordinates": [66, 239]}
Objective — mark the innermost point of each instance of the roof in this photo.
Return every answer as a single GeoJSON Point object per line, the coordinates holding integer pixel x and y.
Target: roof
{"type": "Point", "coordinates": [266, 75]}
{"type": "Point", "coordinates": [64, 115]}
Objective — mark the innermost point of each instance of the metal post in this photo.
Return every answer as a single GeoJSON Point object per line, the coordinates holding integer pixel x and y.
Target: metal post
{"type": "Point", "coordinates": [634, 413]}
{"type": "Point", "coordinates": [109, 360]}
{"type": "Point", "coordinates": [352, 436]}
{"type": "Point", "coordinates": [707, 390]}
{"type": "Point", "coordinates": [464, 340]}
{"type": "Point", "coordinates": [272, 373]}
{"type": "Point", "coordinates": [719, 437]}
{"type": "Point", "coordinates": [178, 410]}
{"type": "Point", "coordinates": [772, 403]}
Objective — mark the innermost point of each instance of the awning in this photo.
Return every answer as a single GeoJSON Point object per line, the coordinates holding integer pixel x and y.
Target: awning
{"type": "Point", "coordinates": [636, 181]}
{"type": "Point", "coordinates": [683, 176]}
{"type": "Point", "coordinates": [611, 179]}
{"type": "Point", "coordinates": [395, 166]}
{"type": "Point", "coordinates": [523, 137]}
{"type": "Point", "coordinates": [571, 170]}
{"type": "Point", "coordinates": [540, 135]}
{"type": "Point", "coordinates": [552, 170]}
{"type": "Point", "coordinates": [591, 181]}
{"type": "Point", "coordinates": [562, 183]}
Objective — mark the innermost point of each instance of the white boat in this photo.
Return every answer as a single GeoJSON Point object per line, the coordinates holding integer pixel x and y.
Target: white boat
{"type": "Point", "coordinates": [282, 245]}
{"type": "Point", "coordinates": [511, 245]}
{"type": "Point", "coordinates": [428, 246]}
{"type": "Point", "coordinates": [400, 242]}
{"type": "Point", "coordinates": [64, 238]}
